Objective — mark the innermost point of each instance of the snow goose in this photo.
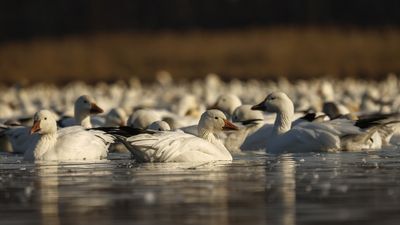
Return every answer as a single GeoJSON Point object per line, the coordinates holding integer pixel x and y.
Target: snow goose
{"type": "Point", "coordinates": [83, 108]}
{"type": "Point", "coordinates": [250, 121]}
{"type": "Point", "coordinates": [18, 138]}
{"type": "Point", "coordinates": [67, 144]}
{"type": "Point", "coordinates": [176, 146]}
{"type": "Point", "coordinates": [142, 118]}
{"type": "Point", "coordinates": [335, 110]}
{"type": "Point", "coordinates": [227, 103]}
{"type": "Point", "coordinates": [308, 137]}
{"type": "Point", "coordinates": [248, 117]}
{"type": "Point", "coordinates": [159, 126]}
{"type": "Point", "coordinates": [116, 117]}
{"type": "Point", "coordinates": [256, 140]}
{"type": "Point", "coordinates": [187, 105]}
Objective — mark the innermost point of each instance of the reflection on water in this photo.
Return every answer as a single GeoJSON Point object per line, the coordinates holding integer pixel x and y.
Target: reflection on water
{"type": "Point", "coordinates": [349, 188]}
{"type": "Point", "coordinates": [48, 196]}
{"type": "Point", "coordinates": [288, 190]}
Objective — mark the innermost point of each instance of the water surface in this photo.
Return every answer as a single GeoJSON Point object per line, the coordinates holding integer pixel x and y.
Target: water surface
{"type": "Point", "coordinates": [329, 188]}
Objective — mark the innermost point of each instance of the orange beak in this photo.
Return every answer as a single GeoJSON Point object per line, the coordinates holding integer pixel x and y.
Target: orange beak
{"type": "Point", "coordinates": [36, 126]}
{"type": "Point", "coordinates": [229, 126]}
{"type": "Point", "coordinates": [95, 109]}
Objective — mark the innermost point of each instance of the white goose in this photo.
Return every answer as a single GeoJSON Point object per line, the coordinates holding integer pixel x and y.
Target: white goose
{"type": "Point", "coordinates": [250, 120]}
{"type": "Point", "coordinates": [83, 108]}
{"type": "Point", "coordinates": [176, 146]}
{"type": "Point", "coordinates": [307, 137]}
{"type": "Point", "coordinates": [66, 144]}
{"type": "Point", "coordinates": [21, 139]}
{"type": "Point", "coordinates": [159, 126]}
{"type": "Point", "coordinates": [258, 129]}
{"type": "Point", "coordinates": [116, 117]}
{"type": "Point", "coordinates": [142, 118]}
{"type": "Point", "coordinates": [227, 103]}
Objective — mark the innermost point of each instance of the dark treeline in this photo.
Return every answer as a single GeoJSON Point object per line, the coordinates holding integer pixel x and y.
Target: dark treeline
{"type": "Point", "coordinates": [28, 18]}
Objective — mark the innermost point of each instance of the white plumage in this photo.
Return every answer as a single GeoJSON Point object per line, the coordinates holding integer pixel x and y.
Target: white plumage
{"type": "Point", "coordinates": [176, 146]}
{"type": "Point", "coordinates": [307, 137]}
{"type": "Point", "coordinates": [83, 108]}
{"type": "Point", "coordinates": [67, 144]}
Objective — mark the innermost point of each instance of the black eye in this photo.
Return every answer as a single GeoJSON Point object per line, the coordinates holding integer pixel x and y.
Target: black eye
{"type": "Point", "coordinates": [216, 118]}
{"type": "Point", "coordinates": [272, 98]}
{"type": "Point", "coordinates": [85, 101]}
{"type": "Point", "coordinates": [45, 118]}
{"type": "Point", "coordinates": [159, 129]}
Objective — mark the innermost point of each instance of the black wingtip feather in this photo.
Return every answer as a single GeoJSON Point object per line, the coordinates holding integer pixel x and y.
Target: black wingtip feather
{"type": "Point", "coordinates": [124, 131]}
{"type": "Point", "coordinates": [368, 121]}
{"type": "Point", "coordinates": [253, 121]}
{"type": "Point", "coordinates": [309, 117]}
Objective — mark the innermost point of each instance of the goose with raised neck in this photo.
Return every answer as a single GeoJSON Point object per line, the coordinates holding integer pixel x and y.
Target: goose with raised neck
{"type": "Point", "coordinates": [310, 136]}
{"type": "Point", "coordinates": [83, 108]}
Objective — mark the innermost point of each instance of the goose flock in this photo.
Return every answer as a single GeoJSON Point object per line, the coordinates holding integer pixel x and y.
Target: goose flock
{"type": "Point", "coordinates": [198, 121]}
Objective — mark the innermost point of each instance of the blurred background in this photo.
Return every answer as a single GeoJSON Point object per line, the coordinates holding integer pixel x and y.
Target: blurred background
{"type": "Point", "coordinates": [92, 40]}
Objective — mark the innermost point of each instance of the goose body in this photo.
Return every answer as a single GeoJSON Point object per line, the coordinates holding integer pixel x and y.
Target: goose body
{"type": "Point", "coordinates": [176, 146]}
{"type": "Point", "coordinates": [67, 144]}
{"type": "Point", "coordinates": [309, 137]}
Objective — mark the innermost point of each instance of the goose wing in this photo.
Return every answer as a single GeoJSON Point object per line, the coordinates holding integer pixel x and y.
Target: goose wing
{"type": "Point", "coordinates": [77, 143]}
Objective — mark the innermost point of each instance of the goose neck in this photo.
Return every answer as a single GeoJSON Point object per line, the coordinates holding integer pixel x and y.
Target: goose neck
{"type": "Point", "coordinates": [283, 122]}
{"type": "Point", "coordinates": [83, 120]}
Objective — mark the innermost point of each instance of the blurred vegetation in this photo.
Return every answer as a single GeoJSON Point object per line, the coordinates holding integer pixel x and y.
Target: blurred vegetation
{"type": "Point", "coordinates": [249, 53]}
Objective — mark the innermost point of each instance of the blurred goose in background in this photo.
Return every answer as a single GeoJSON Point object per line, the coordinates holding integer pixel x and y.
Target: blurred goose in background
{"type": "Point", "coordinates": [250, 121]}
{"type": "Point", "coordinates": [176, 146]}
{"type": "Point", "coordinates": [6, 110]}
{"type": "Point", "coordinates": [84, 107]}
{"type": "Point", "coordinates": [330, 106]}
{"type": "Point", "coordinates": [67, 144]}
{"type": "Point", "coordinates": [187, 105]}
{"type": "Point", "coordinates": [308, 137]}
{"type": "Point", "coordinates": [142, 118]}
{"type": "Point", "coordinates": [227, 103]}
{"type": "Point", "coordinates": [18, 138]}
{"type": "Point", "coordinates": [159, 126]}
{"type": "Point", "coordinates": [334, 111]}
{"type": "Point", "coordinates": [248, 118]}
{"type": "Point", "coordinates": [116, 117]}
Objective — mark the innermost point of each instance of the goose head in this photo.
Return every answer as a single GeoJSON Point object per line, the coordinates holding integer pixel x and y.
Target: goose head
{"type": "Point", "coordinates": [85, 105]}
{"type": "Point", "coordinates": [159, 125]}
{"type": "Point", "coordinates": [243, 114]}
{"type": "Point", "coordinates": [214, 120]}
{"type": "Point", "coordinates": [44, 122]}
{"type": "Point", "coordinates": [227, 103]}
{"type": "Point", "coordinates": [116, 117]}
{"type": "Point", "coordinates": [276, 102]}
